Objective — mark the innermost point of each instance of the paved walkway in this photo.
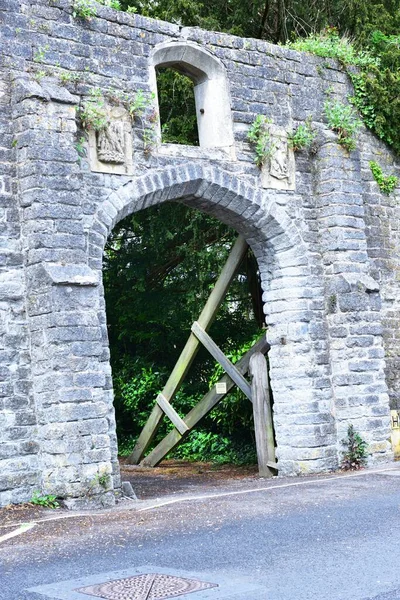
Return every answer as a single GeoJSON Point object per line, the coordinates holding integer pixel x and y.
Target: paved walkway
{"type": "Point", "coordinates": [323, 538]}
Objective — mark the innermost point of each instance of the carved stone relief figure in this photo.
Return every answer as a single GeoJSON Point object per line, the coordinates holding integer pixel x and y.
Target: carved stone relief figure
{"type": "Point", "coordinates": [111, 143]}
{"type": "Point", "coordinates": [279, 171]}
{"type": "Point", "coordinates": [110, 150]}
{"type": "Point", "coordinates": [279, 166]}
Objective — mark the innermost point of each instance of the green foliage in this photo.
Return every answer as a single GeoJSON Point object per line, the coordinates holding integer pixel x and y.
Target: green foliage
{"type": "Point", "coordinates": [115, 4]}
{"type": "Point", "coordinates": [83, 9]}
{"type": "Point", "coordinates": [69, 77]}
{"type": "Point", "coordinates": [86, 9]}
{"type": "Point", "coordinates": [177, 108]}
{"type": "Point", "coordinates": [92, 112]}
{"type": "Point", "coordinates": [212, 447]}
{"type": "Point", "coordinates": [302, 137]}
{"type": "Point", "coordinates": [386, 183]}
{"type": "Point", "coordinates": [343, 120]}
{"type": "Point", "coordinates": [377, 90]}
{"type": "Point", "coordinates": [259, 136]}
{"type": "Point", "coordinates": [328, 44]}
{"type": "Point", "coordinates": [40, 54]}
{"type": "Point", "coordinates": [46, 500]}
{"type": "Point", "coordinates": [377, 80]}
{"type": "Point", "coordinates": [355, 455]}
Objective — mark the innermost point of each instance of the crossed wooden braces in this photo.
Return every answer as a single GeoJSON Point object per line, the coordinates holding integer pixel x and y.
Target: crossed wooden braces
{"type": "Point", "coordinates": [253, 361]}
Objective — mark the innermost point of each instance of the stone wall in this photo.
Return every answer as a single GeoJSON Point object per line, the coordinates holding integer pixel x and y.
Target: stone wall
{"type": "Point", "coordinates": [325, 238]}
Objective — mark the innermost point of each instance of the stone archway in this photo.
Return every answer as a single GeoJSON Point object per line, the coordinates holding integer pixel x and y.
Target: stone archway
{"type": "Point", "coordinates": [287, 283]}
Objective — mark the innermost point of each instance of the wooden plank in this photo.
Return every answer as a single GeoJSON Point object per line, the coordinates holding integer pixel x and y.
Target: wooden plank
{"type": "Point", "coordinates": [171, 414]}
{"type": "Point", "coordinates": [220, 357]}
{"type": "Point", "coordinates": [263, 427]}
{"type": "Point", "coordinates": [203, 408]}
{"type": "Point", "coordinates": [182, 366]}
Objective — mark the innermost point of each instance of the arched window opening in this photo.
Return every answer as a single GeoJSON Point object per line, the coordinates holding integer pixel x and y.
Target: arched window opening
{"type": "Point", "coordinates": [210, 89]}
{"type": "Point", "coordinates": [177, 108]}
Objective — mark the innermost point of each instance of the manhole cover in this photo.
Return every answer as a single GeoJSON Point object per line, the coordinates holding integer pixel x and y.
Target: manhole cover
{"type": "Point", "coordinates": [149, 586]}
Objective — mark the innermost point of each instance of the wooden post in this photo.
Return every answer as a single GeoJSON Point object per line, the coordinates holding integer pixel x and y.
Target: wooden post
{"type": "Point", "coordinates": [206, 404]}
{"type": "Point", "coordinates": [263, 427]}
{"type": "Point", "coordinates": [205, 319]}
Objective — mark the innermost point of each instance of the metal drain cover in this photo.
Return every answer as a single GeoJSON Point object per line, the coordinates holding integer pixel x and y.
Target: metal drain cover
{"type": "Point", "coordinates": [149, 586]}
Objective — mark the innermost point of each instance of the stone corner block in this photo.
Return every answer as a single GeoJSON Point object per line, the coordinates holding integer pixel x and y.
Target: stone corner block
{"type": "Point", "coordinates": [80, 275]}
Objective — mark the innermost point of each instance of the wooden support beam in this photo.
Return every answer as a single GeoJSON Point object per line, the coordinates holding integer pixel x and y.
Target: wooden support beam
{"type": "Point", "coordinates": [220, 357]}
{"type": "Point", "coordinates": [262, 413]}
{"type": "Point", "coordinates": [205, 406]}
{"type": "Point", "coordinates": [182, 366]}
{"type": "Point", "coordinates": [171, 414]}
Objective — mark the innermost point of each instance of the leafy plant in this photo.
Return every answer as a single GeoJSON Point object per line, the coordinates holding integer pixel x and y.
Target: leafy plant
{"type": "Point", "coordinates": [303, 136]}
{"type": "Point", "coordinates": [69, 77]}
{"type": "Point", "coordinates": [386, 183]}
{"type": "Point", "coordinates": [355, 455]}
{"type": "Point", "coordinates": [136, 104]}
{"type": "Point", "coordinates": [343, 120]}
{"type": "Point", "coordinates": [40, 53]}
{"type": "Point", "coordinates": [93, 112]}
{"type": "Point", "coordinates": [259, 136]}
{"type": "Point", "coordinates": [83, 9]}
{"type": "Point", "coordinates": [46, 500]}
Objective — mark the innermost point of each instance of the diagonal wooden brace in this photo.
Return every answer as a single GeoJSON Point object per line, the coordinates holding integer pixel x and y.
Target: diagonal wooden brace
{"type": "Point", "coordinates": [188, 353]}
{"type": "Point", "coordinates": [220, 357]}
{"type": "Point", "coordinates": [203, 408]}
{"type": "Point", "coordinates": [171, 414]}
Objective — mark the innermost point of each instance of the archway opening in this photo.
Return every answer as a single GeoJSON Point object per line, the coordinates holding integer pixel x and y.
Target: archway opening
{"type": "Point", "coordinates": [160, 264]}
{"type": "Point", "coordinates": [177, 106]}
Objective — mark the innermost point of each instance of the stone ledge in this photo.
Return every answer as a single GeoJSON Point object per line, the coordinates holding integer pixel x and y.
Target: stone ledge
{"type": "Point", "coordinates": [80, 275]}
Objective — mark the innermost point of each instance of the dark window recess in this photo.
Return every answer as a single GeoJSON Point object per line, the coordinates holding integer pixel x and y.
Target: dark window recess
{"type": "Point", "coordinates": [177, 108]}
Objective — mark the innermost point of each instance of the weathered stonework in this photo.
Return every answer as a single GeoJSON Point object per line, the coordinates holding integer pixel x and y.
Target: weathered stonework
{"type": "Point", "coordinates": [327, 245]}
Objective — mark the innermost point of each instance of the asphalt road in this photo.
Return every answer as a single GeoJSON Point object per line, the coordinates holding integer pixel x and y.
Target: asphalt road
{"type": "Point", "coordinates": [326, 538]}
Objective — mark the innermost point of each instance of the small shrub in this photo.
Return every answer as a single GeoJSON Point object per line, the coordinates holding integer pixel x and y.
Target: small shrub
{"type": "Point", "coordinates": [93, 113]}
{"type": "Point", "coordinates": [386, 183]}
{"type": "Point", "coordinates": [136, 104]}
{"type": "Point", "coordinates": [302, 137]}
{"type": "Point", "coordinates": [260, 137]}
{"type": "Point", "coordinates": [83, 9]}
{"type": "Point", "coordinates": [343, 120]}
{"type": "Point", "coordinates": [47, 500]}
{"type": "Point", "coordinates": [69, 77]}
{"type": "Point", "coordinates": [355, 455]}
{"type": "Point", "coordinates": [40, 54]}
